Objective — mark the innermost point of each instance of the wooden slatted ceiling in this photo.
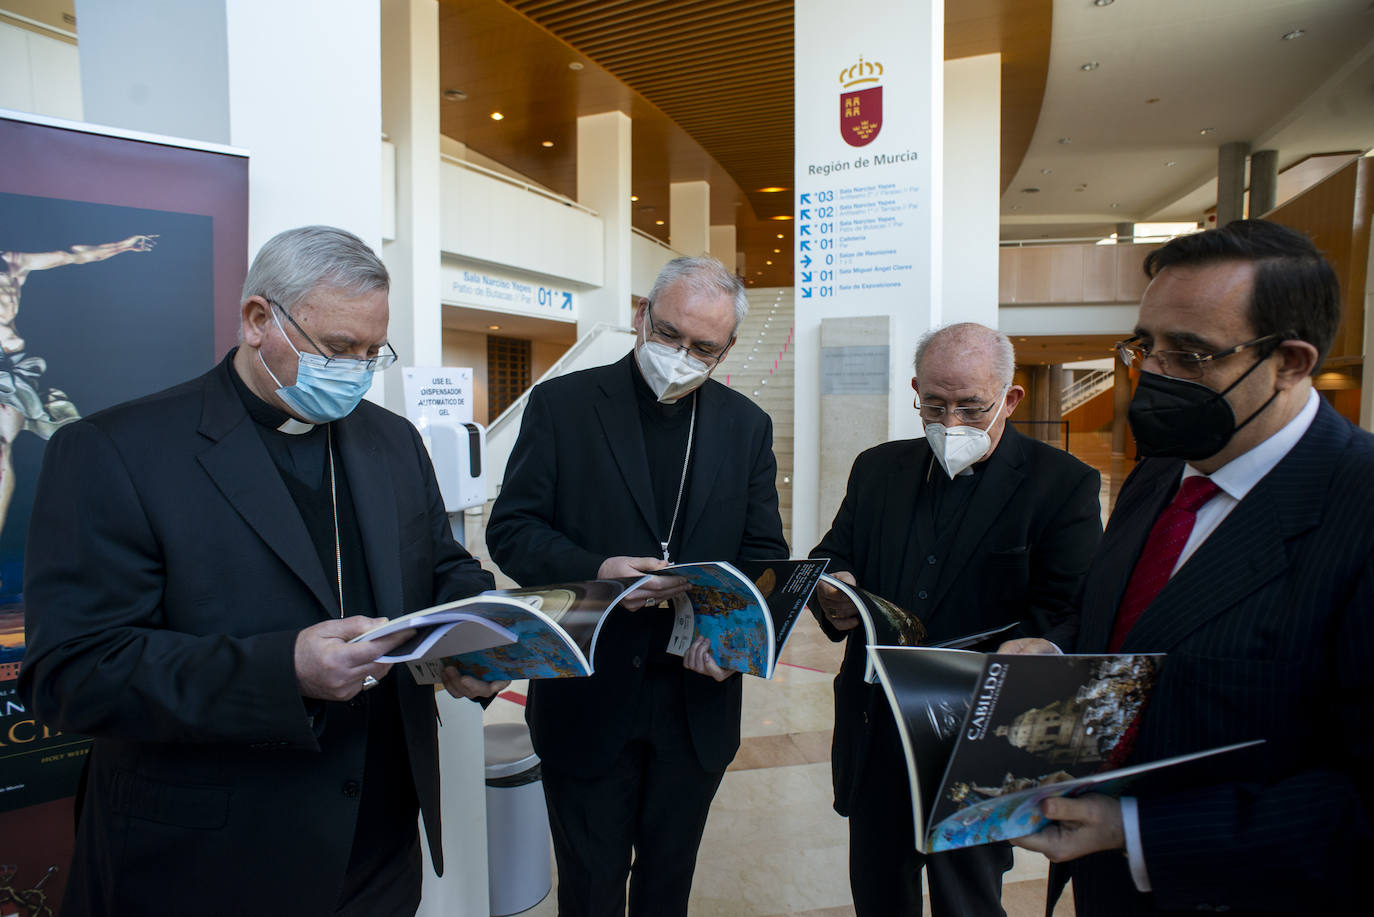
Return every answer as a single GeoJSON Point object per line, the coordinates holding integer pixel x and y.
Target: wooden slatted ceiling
{"type": "Point", "coordinates": [708, 84]}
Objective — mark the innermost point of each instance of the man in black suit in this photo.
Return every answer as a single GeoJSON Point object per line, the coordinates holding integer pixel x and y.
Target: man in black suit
{"type": "Point", "coordinates": [1263, 597]}
{"type": "Point", "coordinates": [197, 562]}
{"type": "Point", "coordinates": [972, 528]}
{"type": "Point", "coordinates": [617, 471]}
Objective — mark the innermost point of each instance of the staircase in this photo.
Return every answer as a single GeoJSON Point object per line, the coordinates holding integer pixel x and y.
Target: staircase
{"type": "Point", "coordinates": [761, 367]}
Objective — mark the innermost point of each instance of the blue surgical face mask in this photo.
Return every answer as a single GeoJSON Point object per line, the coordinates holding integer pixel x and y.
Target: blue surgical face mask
{"type": "Point", "coordinates": [325, 389]}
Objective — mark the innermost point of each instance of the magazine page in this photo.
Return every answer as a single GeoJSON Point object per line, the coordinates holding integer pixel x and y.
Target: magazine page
{"type": "Point", "coordinates": [1017, 814]}
{"type": "Point", "coordinates": [723, 605]}
{"type": "Point", "coordinates": [929, 691]}
{"type": "Point", "coordinates": [786, 586]}
{"type": "Point", "coordinates": [555, 629]}
{"type": "Point", "coordinates": [1036, 720]}
{"type": "Point", "coordinates": [885, 623]}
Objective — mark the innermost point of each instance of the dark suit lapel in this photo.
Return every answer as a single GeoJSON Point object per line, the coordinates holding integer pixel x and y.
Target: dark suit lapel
{"type": "Point", "coordinates": [715, 437]}
{"type": "Point", "coordinates": [618, 412]}
{"type": "Point", "coordinates": [374, 500]}
{"type": "Point", "coordinates": [1249, 547]}
{"type": "Point", "coordinates": [896, 524]}
{"type": "Point", "coordinates": [1000, 479]}
{"type": "Point", "coordinates": [1129, 526]}
{"type": "Point", "coordinates": [241, 468]}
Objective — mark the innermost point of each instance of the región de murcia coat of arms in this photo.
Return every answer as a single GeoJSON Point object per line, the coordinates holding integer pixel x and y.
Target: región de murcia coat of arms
{"type": "Point", "coordinates": [861, 110]}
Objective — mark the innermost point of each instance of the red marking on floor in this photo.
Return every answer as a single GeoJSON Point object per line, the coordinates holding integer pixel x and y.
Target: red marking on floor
{"type": "Point", "coordinates": [807, 667]}
{"type": "Point", "coordinates": [515, 697]}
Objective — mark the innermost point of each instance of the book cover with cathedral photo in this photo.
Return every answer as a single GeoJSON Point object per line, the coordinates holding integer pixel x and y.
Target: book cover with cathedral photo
{"type": "Point", "coordinates": [988, 737]}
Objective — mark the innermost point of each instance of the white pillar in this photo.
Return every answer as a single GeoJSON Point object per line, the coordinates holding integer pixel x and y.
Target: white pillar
{"type": "Point", "coordinates": [603, 184]}
{"type": "Point", "coordinates": [689, 217]}
{"type": "Point", "coordinates": [973, 162]}
{"type": "Point", "coordinates": [724, 245]}
{"type": "Point", "coordinates": [410, 118]}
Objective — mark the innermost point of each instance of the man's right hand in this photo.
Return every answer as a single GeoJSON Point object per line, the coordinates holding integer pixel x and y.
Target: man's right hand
{"type": "Point", "coordinates": [328, 667]}
{"type": "Point", "coordinates": [838, 609]}
{"type": "Point", "coordinates": [652, 592]}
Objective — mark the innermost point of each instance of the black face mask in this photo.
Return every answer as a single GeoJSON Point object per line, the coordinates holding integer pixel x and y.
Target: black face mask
{"type": "Point", "coordinates": [1181, 419]}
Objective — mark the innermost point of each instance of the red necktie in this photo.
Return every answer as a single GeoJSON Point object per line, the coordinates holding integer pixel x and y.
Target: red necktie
{"type": "Point", "coordinates": [1162, 548]}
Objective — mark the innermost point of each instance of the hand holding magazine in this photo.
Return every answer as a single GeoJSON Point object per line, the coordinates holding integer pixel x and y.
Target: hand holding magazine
{"type": "Point", "coordinates": [746, 611]}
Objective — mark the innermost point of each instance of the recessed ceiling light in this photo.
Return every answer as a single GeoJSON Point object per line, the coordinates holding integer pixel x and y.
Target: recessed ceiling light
{"type": "Point", "coordinates": [777, 251]}
{"type": "Point", "coordinates": [782, 216]}
{"type": "Point", "coordinates": [454, 95]}
{"type": "Point", "coordinates": [1208, 130]}
{"type": "Point", "coordinates": [1296, 33]}
{"type": "Point", "coordinates": [767, 262]}
{"type": "Point", "coordinates": [634, 197]}
{"type": "Point", "coordinates": [658, 222]}
{"type": "Point", "coordinates": [781, 236]}
{"type": "Point", "coordinates": [496, 116]}
{"type": "Point", "coordinates": [493, 327]}
{"type": "Point", "coordinates": [1098, 3]}
{"type": "Point", "coordinates": [1113, 206]}
{"type": "Point", "coordinates": [547, 143]}
{"type": "Point", "coordinates": [1046, 171]}
{"type": "Point", "coordinates": [1066, 140]}
{"type": "Point", "coordinates": [575, 65]}
{"type": "Point", "coordinates": [1090, 66]}
{"type": "Point", "coordinates": [1170, 164]}
{"type": "Point", "coordinates": [771, 190]}
{"type": "Point", "coordinates": [1030, 190]}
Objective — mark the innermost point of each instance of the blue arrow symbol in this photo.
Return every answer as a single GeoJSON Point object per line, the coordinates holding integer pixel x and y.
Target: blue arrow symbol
{"type": "Point", "coordinates": [567, 300]}
{"type": "Point", "coordinates": [806, 261]}
{"type": "Point", "coordinates": [806, 276]}
{"type": "Point", "coordinates": [806, 292]}
{"type": "Point", "coordinates": [804, 245]}
{"type": "Point", "coordinates": [806, 197]}
{"type": "Point", "coordinates": [806, 229]}
{"type": "Point", "coordinates": [805, 215]}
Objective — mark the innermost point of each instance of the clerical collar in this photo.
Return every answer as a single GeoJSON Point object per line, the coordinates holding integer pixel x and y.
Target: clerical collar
{"type": "Point", "coordinates": [263, 413]}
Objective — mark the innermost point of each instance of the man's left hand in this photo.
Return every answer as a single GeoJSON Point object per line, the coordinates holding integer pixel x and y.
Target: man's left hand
{"type": "Point", "coordinates": [698, 658]}
{"type": "Point", "coordinates": [1081, 826]}
{"type": "Point", "coordinates": [460, 685]}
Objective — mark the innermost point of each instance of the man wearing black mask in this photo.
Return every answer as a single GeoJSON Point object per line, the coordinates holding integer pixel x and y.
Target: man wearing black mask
{"type": "Point", "coordinates": [1242, 548]}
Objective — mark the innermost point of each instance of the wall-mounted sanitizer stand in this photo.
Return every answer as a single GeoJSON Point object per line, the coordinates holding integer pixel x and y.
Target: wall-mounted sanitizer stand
{"type": "Point", "coordinates": [457, 450]}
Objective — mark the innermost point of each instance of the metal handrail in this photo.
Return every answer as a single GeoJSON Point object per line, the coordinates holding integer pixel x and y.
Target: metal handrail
{"type": "Point", "coordinates": [533, 189]}
{"type": "Point", "coordinates": [576, 350]}
{"type": "Point", "coordinates": [1021, 243]}
{"type": "Point", "coordinates": [654, 239]}
{"type": "Point", "coordinates": [1086, 387]}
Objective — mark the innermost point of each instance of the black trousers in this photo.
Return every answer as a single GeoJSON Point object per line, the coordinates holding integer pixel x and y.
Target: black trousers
{"type": "Point", "coordinates": [643, 817]}
{"type": "Point", "coordinates": [884, 867]}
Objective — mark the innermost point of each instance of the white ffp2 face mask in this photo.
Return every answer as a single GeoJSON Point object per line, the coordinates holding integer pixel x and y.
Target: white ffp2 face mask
{"type": "Point", "coordinates": [958, 448]}
{"type": "Point", "coordinates": [671, 373]}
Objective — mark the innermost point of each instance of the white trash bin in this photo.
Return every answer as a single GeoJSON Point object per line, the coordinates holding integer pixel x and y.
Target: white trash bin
{"type": "Point", "coordinates": [518, 871]}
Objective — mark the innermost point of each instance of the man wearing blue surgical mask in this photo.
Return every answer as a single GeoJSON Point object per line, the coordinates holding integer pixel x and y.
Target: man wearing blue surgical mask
{"type": "Point", "coordinates": [197, 562]}
{"type": "Point", "coordinates": [972, 527]}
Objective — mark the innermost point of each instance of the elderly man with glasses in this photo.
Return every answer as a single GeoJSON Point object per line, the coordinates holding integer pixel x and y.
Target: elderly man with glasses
{"type": "Point", "coordinates": [1241, 547]}
{"type": "Point", "coordinates": [197, 562]}
{"type": "Point", "coordinates": [973, 527]}
{"type": "Point", "coordinates": [617, 471]}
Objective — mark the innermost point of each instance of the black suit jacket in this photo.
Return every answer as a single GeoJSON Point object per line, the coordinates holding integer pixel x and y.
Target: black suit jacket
{"type": "Point", "coordinates": [1017, 554]}
{"type": "Point", "coordinates": [577, 490]}
{"type": "Point", "coordinates": [167, 575]}
{"type": "Point", "coordinates": [1269, 631]}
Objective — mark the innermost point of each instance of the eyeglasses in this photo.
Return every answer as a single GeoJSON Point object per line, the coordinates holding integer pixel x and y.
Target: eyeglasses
{"type": "Point", "coordinates": [674, 341]}
{"type": "Point", "coordinates": [935, 413]}
{"type": "Point", "coordinates": [358, 364]}
{"type": "Point", "coordinates": [1180, 364]}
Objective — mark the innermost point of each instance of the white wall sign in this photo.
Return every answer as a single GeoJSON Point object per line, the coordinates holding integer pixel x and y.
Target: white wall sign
{"type": "Point", "coordinates": [466, 284]}
{"type": "Point", "coordinates": [442, 394]}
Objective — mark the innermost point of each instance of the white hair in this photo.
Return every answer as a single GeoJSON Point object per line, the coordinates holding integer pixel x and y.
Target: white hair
{"type": "Point", "coordinates": [704, 276]}
{"type": "Point", "coordinates": [293, 263]}
{"type": "Point", "coordinates": [972, 334]}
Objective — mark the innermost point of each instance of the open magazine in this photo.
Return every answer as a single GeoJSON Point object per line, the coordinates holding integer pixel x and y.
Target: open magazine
{"type": "Point", "coordinates": [746, 610]}
{"type": "Point", "coordinates": [988, 737]}
{"type": "Point", "coordinates": [889, 624]}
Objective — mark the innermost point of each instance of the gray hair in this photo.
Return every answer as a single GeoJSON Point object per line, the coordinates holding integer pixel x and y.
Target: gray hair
{"type": "Point", "coordinates": [971, 335]}
{"type": "Point", "coordinates": [704, 276]}
{"type": "Point", "coordinates": [293, 263]}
